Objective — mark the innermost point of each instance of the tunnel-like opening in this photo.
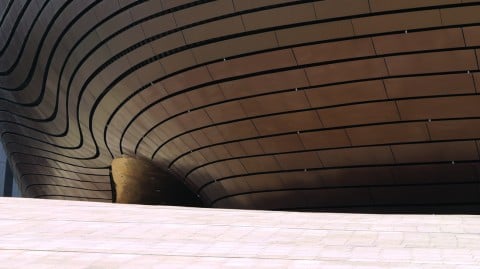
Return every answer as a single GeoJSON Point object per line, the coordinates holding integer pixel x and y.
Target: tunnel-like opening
{"type": "Point", "coordinates": [136, 181]}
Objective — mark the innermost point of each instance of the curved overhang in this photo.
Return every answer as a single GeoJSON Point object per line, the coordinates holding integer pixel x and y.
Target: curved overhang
{"type": "Point", "coordinates": [346, 105]}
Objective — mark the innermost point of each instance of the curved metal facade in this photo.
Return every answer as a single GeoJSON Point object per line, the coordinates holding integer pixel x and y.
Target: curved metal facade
{"type": "Point", "coordinates": [306, 105]}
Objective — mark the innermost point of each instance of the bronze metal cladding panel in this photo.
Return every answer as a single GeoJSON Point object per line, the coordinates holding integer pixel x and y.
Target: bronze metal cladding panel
{"type": "Point", "coordinates": [317, 105]}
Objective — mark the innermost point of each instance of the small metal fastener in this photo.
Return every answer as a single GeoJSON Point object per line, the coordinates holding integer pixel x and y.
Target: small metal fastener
{"type": "Point", "coordinates": [406, 31]}
{"type": "Point", "coordinates": [224, 59]}
{"type": "Point", "coordinates": [453, 162]}
{"type": "Point", "coordinates": [298, 132]}
{"type": "Point", "coordinates": [305, 170]}
{"type": "Point", "coordinates": [429, 120]}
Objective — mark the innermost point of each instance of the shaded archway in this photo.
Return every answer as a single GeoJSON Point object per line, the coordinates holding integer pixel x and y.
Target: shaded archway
{"type": "Point", "coordinates": [141, 182]}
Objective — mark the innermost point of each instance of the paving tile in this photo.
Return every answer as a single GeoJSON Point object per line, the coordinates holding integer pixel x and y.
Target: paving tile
{"type": "Point", "coordinates": [95, 235]}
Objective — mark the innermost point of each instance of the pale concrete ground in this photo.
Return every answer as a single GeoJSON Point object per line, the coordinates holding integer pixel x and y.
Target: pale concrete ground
{"type": "Point", "coordinates": [65, 234]}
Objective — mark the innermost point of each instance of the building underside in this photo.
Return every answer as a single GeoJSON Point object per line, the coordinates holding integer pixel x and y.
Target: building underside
{"type": "Point", "coordinates": [340, 105]}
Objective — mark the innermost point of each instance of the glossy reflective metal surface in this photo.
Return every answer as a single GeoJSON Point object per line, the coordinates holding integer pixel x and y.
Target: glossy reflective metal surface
{"type": "Point", "coordinates": [351, 105]}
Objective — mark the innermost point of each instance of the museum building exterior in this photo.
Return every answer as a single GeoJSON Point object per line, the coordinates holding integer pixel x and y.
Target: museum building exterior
{"type": "Point", "coordinates": [339, 105]}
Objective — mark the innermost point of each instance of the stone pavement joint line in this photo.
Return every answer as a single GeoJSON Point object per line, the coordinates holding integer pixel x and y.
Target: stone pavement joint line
{"type": "Point", "coordinates": [39, 233]}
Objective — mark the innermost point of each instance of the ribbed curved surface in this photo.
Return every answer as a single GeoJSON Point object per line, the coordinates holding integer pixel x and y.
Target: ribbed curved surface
{"type": "Point", "coordinates": [306, 105]}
